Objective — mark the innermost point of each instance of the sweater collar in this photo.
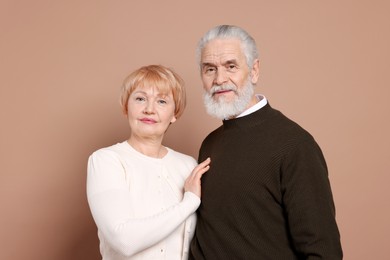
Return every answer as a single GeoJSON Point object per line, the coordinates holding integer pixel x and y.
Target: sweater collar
{"type": "Point", "coordinates": [254, 118]}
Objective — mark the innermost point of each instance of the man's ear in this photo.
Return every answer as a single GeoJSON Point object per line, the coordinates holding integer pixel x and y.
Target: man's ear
{"type": "Point", "coordinates": [255, 71]}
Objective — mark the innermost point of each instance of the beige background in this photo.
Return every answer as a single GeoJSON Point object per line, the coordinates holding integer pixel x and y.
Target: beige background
{"type": "Point", "coordinates": [325, 64]}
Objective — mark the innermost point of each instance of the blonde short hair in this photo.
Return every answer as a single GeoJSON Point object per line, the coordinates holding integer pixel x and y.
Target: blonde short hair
{"type": "Point", "coordinates": [163, 78]}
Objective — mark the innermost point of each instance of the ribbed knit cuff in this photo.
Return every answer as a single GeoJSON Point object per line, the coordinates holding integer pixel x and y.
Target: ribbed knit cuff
{"type": "Point", "coordinates": [194, 200]}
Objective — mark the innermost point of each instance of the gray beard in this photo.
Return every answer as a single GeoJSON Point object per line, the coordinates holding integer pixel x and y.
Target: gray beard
{"type": "Point", "coordinates": [224, 110]}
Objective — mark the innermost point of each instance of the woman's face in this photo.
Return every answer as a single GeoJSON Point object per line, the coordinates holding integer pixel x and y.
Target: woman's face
{"type": "Point", "coordinates": [150, 112]}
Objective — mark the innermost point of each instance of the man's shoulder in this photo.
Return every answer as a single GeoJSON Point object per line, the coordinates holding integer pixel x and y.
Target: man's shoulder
{"type": "Point", "coordinates": [282, 122]}
{"type": "Point", "coordinates": [214, 133]}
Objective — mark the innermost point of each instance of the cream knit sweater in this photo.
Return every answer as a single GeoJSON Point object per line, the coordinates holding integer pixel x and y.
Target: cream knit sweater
{"type": "Point", "coordinates": [138, 204]}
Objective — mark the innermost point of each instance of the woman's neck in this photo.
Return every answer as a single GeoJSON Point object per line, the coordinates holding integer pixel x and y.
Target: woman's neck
{"type": "Point", "coordinates": [151, 148]}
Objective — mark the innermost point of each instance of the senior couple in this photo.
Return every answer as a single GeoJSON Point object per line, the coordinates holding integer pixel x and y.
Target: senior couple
{"type": "Point", "coordinates": [260, 188]}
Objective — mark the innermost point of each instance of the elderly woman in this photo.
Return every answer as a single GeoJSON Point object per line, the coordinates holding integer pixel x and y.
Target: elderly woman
{"type": "Point", "coordinates": [143, 195]}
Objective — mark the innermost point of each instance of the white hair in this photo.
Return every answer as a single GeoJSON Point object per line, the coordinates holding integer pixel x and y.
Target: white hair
{"type": "Point", "coordinates": [248, 44]}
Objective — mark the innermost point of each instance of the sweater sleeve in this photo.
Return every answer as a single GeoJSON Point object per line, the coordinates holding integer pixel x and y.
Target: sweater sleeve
{"type": "Point", "coordinates": [308, 203]}
{"type": "Point", "coordinates": [109, 201]}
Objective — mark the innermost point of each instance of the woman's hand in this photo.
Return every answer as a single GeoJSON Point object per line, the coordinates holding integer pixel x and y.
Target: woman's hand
{"type": "Point", "coordinates": [193, 183]}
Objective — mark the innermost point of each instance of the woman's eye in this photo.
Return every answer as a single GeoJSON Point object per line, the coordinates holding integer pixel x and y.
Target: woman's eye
{"type": "Point", "coordinates": [139, 98]}
{"type": "Point", "coordinates": [162, 101]}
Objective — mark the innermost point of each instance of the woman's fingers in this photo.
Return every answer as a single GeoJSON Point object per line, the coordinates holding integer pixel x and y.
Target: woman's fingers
{"type": "Point", "coordinates": [193, 183]}
{"type": "Point", "coordinates": [201, 169]}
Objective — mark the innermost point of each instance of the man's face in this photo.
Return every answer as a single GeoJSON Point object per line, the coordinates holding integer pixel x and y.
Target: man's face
{"type": "Point", "coordinates": [227, 80]}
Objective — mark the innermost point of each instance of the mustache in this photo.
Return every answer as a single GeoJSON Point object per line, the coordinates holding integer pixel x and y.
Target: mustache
{"type": "Point", "coordinates": [216, 89]}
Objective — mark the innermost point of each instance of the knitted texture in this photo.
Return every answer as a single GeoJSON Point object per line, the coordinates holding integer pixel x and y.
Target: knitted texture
{"type": "Point", "coordinates": [267, 193]}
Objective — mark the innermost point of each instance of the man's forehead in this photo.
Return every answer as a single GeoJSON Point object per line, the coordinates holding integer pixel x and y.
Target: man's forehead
{"type": "Point", "coordinates": [222, 50]}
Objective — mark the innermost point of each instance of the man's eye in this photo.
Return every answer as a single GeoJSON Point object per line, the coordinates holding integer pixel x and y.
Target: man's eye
{"type": "Point", "coordinates": [210, 70]}
{"type": "Point", "coordinates": [231, 66]}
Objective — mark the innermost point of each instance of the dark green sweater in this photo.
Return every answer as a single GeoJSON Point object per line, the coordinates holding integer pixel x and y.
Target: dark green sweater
{"type": "Point", "coordinates": [267, 193]}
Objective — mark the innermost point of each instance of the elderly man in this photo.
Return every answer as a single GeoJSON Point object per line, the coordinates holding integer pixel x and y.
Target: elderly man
{"type": "Point", "coordinates": [267, 193]}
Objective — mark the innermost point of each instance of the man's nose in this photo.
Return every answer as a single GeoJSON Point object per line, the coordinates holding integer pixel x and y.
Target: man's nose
{"type": "Point", "coordinates": [220, 77]}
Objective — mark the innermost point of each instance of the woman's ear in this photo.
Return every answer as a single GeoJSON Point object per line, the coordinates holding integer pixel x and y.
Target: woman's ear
{"type": "Point", "coordinates": [125, 112]}
{"type": "Point", "coordinates": [173, 120]}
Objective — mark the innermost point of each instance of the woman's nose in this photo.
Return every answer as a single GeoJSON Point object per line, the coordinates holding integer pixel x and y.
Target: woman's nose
{"type": "Point", "coordinates": [149, 108]}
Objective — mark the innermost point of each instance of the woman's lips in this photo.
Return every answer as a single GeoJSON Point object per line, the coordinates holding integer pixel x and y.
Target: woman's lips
{"type": "Point", "coordinates": [148, 120]}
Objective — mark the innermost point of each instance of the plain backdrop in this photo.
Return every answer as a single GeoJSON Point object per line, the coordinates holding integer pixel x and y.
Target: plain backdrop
{"type": "Point", "coordinates": [325, 64]}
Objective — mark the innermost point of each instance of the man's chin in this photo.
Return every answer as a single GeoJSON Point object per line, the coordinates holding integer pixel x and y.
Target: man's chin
{"type": "Point", "coordinates": [224, 102]}
{"type": "Point", "coordinates": [224, 99]}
